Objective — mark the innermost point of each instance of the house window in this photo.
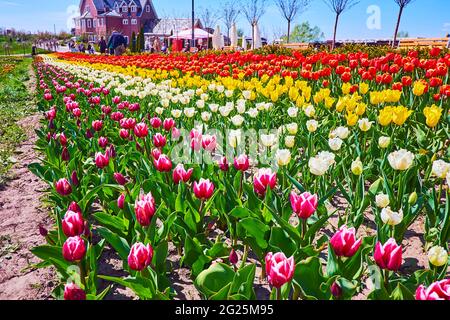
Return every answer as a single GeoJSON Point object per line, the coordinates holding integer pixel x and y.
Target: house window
{"type": "Point", "coordinates": [147, 8]}
{"type": "Point", "coordinates": [83, 24]}
{"type": "Point", "coordinates": [124, 9]}
{"type": "Point", "coordinates": [133, 9]}
{"type": "Point", "coordinates": [133, 21]}
{"type": "Point", "coordinates": [89, 23]}
{"type": "Point", "coordinates": [125, 21]}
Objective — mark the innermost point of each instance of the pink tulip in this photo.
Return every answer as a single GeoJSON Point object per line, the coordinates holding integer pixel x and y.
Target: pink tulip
{"type": "Point", "coordinates": [101, 160]}
{"type": "Point", "coordinates": [141, 130]}
{"type": "Point", "coordinates": [73, 224]}
{"type": "Point", "coordinates": [121, 201]}
{"type": "Point", "coordinates": [168, 124]}
{"type": "Point", "coordinates": [116, 100]}
{"type": "Point", "coordinates": [74, 207]}
{"type": "Point", "coordinates": [163, 163]}
{"type": "Point", "coordinates": [103, 142]}
{"type": "Point", "coordinates": [233, 258]}
{"type": "Point", "coordinates": [63, 139]}
{"type": "Point", "coordinates": [73, 292]}
{"type": "Point", "coordinates": [97, 125]}
{"type": "Point", "coordinates": [209, 143]}
{"type": "Point", "coordinates": [203, 189]}
{"type": "Point", "coordinates": [145, 209]}
{"type": "Point", "coordinates": [439, 290]}
{"type": "Point", "coordinates": [63, 187]}
{"type": "Point", "coordinates": [140, 256]}
{"type": "Point", "coordinates": [65, 155]}
{"type": "Point", "coordinates": [120, 179]}
{"type": "Point", "coordinates": [223, 164]}
{"type": "Point", "coordinates": [156, 153]}
{"type": "Point", "coordinates": [128, 123]}
{"type": "Point", "coordinates": [155, 122]}
{"type": "Point", "coordinates": [124, 134]}
{"type": "Point", "coordinates": [279, 269]}
{"type": "Point", "coordinates": [336, 290]}
{"type": "Point", "coordinates": [180, 174]}
{"type": "Point", "coordinates": [263, 179]}
{"type": "Point", "coordinates": [159, 141]}
{"type": "Point", "coordinates": [76, 112]}
{"type": "Point", "coordinates": [389, 255]}
{"type": "Point", "coordinates": [304, 205]}
{"type": "Point", "coordinates": [344, 242]}
{"type": "Point", "coordinates": [241, 163]}
{"type": "Point", "coordinates": [74, 249]}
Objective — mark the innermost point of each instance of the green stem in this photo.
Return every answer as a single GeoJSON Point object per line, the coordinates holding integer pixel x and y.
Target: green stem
{"type": "Point", "coordinates": [279, 294]}
{"type": "Point", "coordinates": [244, 257]}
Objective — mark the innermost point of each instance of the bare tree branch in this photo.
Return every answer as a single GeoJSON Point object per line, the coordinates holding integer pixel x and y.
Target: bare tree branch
{"type": "Point", "coordinates": [290, 9]}
{"type": "Point", "coordinates": [229, 14]}
{"type": "Point", "coordinates": [338, 7]}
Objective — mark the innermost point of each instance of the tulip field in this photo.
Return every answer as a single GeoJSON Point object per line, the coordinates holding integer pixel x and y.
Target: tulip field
{"type": "Point", "coordinates": [301, 174]}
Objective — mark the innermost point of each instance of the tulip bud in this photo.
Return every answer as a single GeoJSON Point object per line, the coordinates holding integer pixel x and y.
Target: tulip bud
{"type": "Point", "coordinates": [43, 231]}
{"type": "Point", "coordinates": [73, 292]}
{"type": "Point", "coordinates": [73, 224]}
{"type": "Point", "coordinates": [145, 209]}
{"type": "Point", "coordinates": [336, 290]}
{"type": "Point", "coordinates": [74, 178]}
{"type": "Point", "coordinates": [233, 258]}
{"type": "Point", "coordinates": [437, 256]}
{"type": "Point", "coordinates": [121, 201]}
{"type": "Point", "coordinates": [357, 167]}
{"type": "Point", "coordinates": [63, 187]}
{"type": "Point", "coordinates": [65, 155]}
{"type": "Point", "coordinates": [204, 189]}
{"type": "Point", "coordinates": [304, 205]}
{"type": "Point", "coordinates": [412, 198]}
{"type": "Point", "coordinates": [120, 179]}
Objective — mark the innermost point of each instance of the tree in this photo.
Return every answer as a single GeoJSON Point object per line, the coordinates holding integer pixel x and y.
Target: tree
{"type": "Point", "coordinates": [253, 11]}
{"type": "Point", "coordinates": [229, 15]}
{"type": "Point", "coordinates": [338, 7]}
{"type": "Point", "coordinates": [403, 34]}
{"type": "Point", "coordinates": [133, 42]}
{"type": "Point", "coordinates": [141, 41]}
{"type": "Point", "coordinates": [290, 9]}
{"type": "Point", "coordinates": [402, 5]}
{"type": "Point", "coordinates": [209, 18]}
{"type": "Point", "coordinates": [305, 33]}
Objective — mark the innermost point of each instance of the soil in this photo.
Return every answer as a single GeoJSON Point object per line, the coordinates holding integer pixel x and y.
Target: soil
{"type": "Point", "coordinates": [21, 213]}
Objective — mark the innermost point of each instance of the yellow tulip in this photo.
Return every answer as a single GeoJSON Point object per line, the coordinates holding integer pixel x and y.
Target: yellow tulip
{"type": "Point", "coordinates": [433, 115]}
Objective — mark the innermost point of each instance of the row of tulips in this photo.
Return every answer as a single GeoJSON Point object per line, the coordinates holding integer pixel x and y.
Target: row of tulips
{"type": "Point", "coordinates": [115, 180]}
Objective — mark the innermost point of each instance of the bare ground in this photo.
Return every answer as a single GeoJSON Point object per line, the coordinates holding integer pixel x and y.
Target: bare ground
{"type": "Point", "coordinates": [21, 213]}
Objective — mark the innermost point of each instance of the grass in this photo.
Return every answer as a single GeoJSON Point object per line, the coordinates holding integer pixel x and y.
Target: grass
{"type": "Point", "coordinates": [15, 47]}
{"type": "Point", "coordinates": [15, 103]}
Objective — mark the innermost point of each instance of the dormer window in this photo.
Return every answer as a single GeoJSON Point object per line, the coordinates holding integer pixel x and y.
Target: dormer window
{"type": "Point", "coordinates": [147, 8]}
{"type": "Point", "coordinates": [124, 9]}
{"type": "Point", "coordinates": [133, 9]}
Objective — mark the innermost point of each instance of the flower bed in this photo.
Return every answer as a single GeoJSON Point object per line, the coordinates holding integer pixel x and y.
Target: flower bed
{"type": "Point", "coordinates": [236, 158]}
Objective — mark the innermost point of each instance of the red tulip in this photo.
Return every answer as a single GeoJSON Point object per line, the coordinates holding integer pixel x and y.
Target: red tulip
{"type": "Point", "coordinates": [263, 179]}
{"type": "Point", "coordinates": [180, 174]}
{"type": "Point", "coordinates": [439, 290]}
{"type": "Point", "coordinates": [73, 292]}
{"type": "Point", "coordinates": [97, 125]}
{"type": "Point", "coordinates": [43, 231]}
{"type": "Point", "coordinates": [120, 179]}
{"type": "Point", "coordinates": [141, 130]}
{"type": "Point", "coordinates": [140, 256]}
{"type": "Point", "coordinates": [336, 290]}
{"type": "Point", "coordinates": [241, 163]}
{"type": "Point", "coordinates": [74, 249]}
{"type": "Point", "coordinates": [101, 160]}
{"type": "Point", "coordinates": [63, 139]}
{"type": "Point", "coordinates": [304, 205]}
{"type": "Point", "coordinates": [434, 52]}
{"type": "Point", "coordinates": [73, 224]}
{"type": "Point", "coordinates": [389, 255]}
{"type": "Point", "coordinates": [279, 269]}
{"type": "Point", "coordinates": [203, 189]}
{"type": "Point", "coordinates": [163, 163]}
{"type": "Point", "coordinates": [121, 201]}
{"type": "Point", "coordinates": [63, 187]}
{"type": "Point", "coordinates": [74, 207]}
{"type": "Point", "coordinates": [155, 122]}
{"type": "Point", "coordinates": [344, 242]}
{"type": "Point", "coordinates": [159, 141]}
{"type": "Point", "coordinates": [145, 209]}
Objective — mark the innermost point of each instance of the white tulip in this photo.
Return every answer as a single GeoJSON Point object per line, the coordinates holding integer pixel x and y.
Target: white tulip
{"type": "Point", "coordinates": [382, 200]}
{"type": "Point", "coordinates": [310, 111]}
{"type": "Point", "coordinates": [440, 169]}
{"type": "Point", "coordinates": [390, 217]}
{"type": "Point", "coordinates": [237, 120]}
{"type": "Point", "coordinates": [335, 144]}
{"type": "Point", "coordinates": [384, 142]}
{"type": "Point", "coordinates": [283, 157]}
{"type": "Point", "coordinates": [289, 141]}
{"type": "Point", "coordinates": [292, 128]}
{"type": "Point", "coordinates": [293, 112]}
{"type": "Point", "coordinates": [268, 140]}
{"type": "Point", "coordinates": [401, 160]}
{"type": "Point", "coordinates": [437, 256]}
{"type": "Point", "coordinates": [312, 125]}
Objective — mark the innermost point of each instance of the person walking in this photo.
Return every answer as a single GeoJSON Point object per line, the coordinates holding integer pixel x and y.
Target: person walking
{"type": "Point", "coordinates": [103, 45]}
{"type": "Point", "coordinates": [117, 43]}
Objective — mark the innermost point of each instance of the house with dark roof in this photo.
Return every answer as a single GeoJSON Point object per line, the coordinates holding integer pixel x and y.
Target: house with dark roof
{"type": "Point", "coordinates": [101, 17]}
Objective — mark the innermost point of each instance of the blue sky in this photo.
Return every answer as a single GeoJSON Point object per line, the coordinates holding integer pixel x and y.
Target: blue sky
{"type": "Point", "coordinates": [428, 18]}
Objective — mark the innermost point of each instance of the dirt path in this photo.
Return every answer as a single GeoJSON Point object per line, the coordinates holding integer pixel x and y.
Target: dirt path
{"type": "Point", "coordinates": [21, 213]}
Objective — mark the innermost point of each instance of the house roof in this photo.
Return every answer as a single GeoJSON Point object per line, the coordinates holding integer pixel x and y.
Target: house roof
{"type": "Point", "coordinates": [172, 26]}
